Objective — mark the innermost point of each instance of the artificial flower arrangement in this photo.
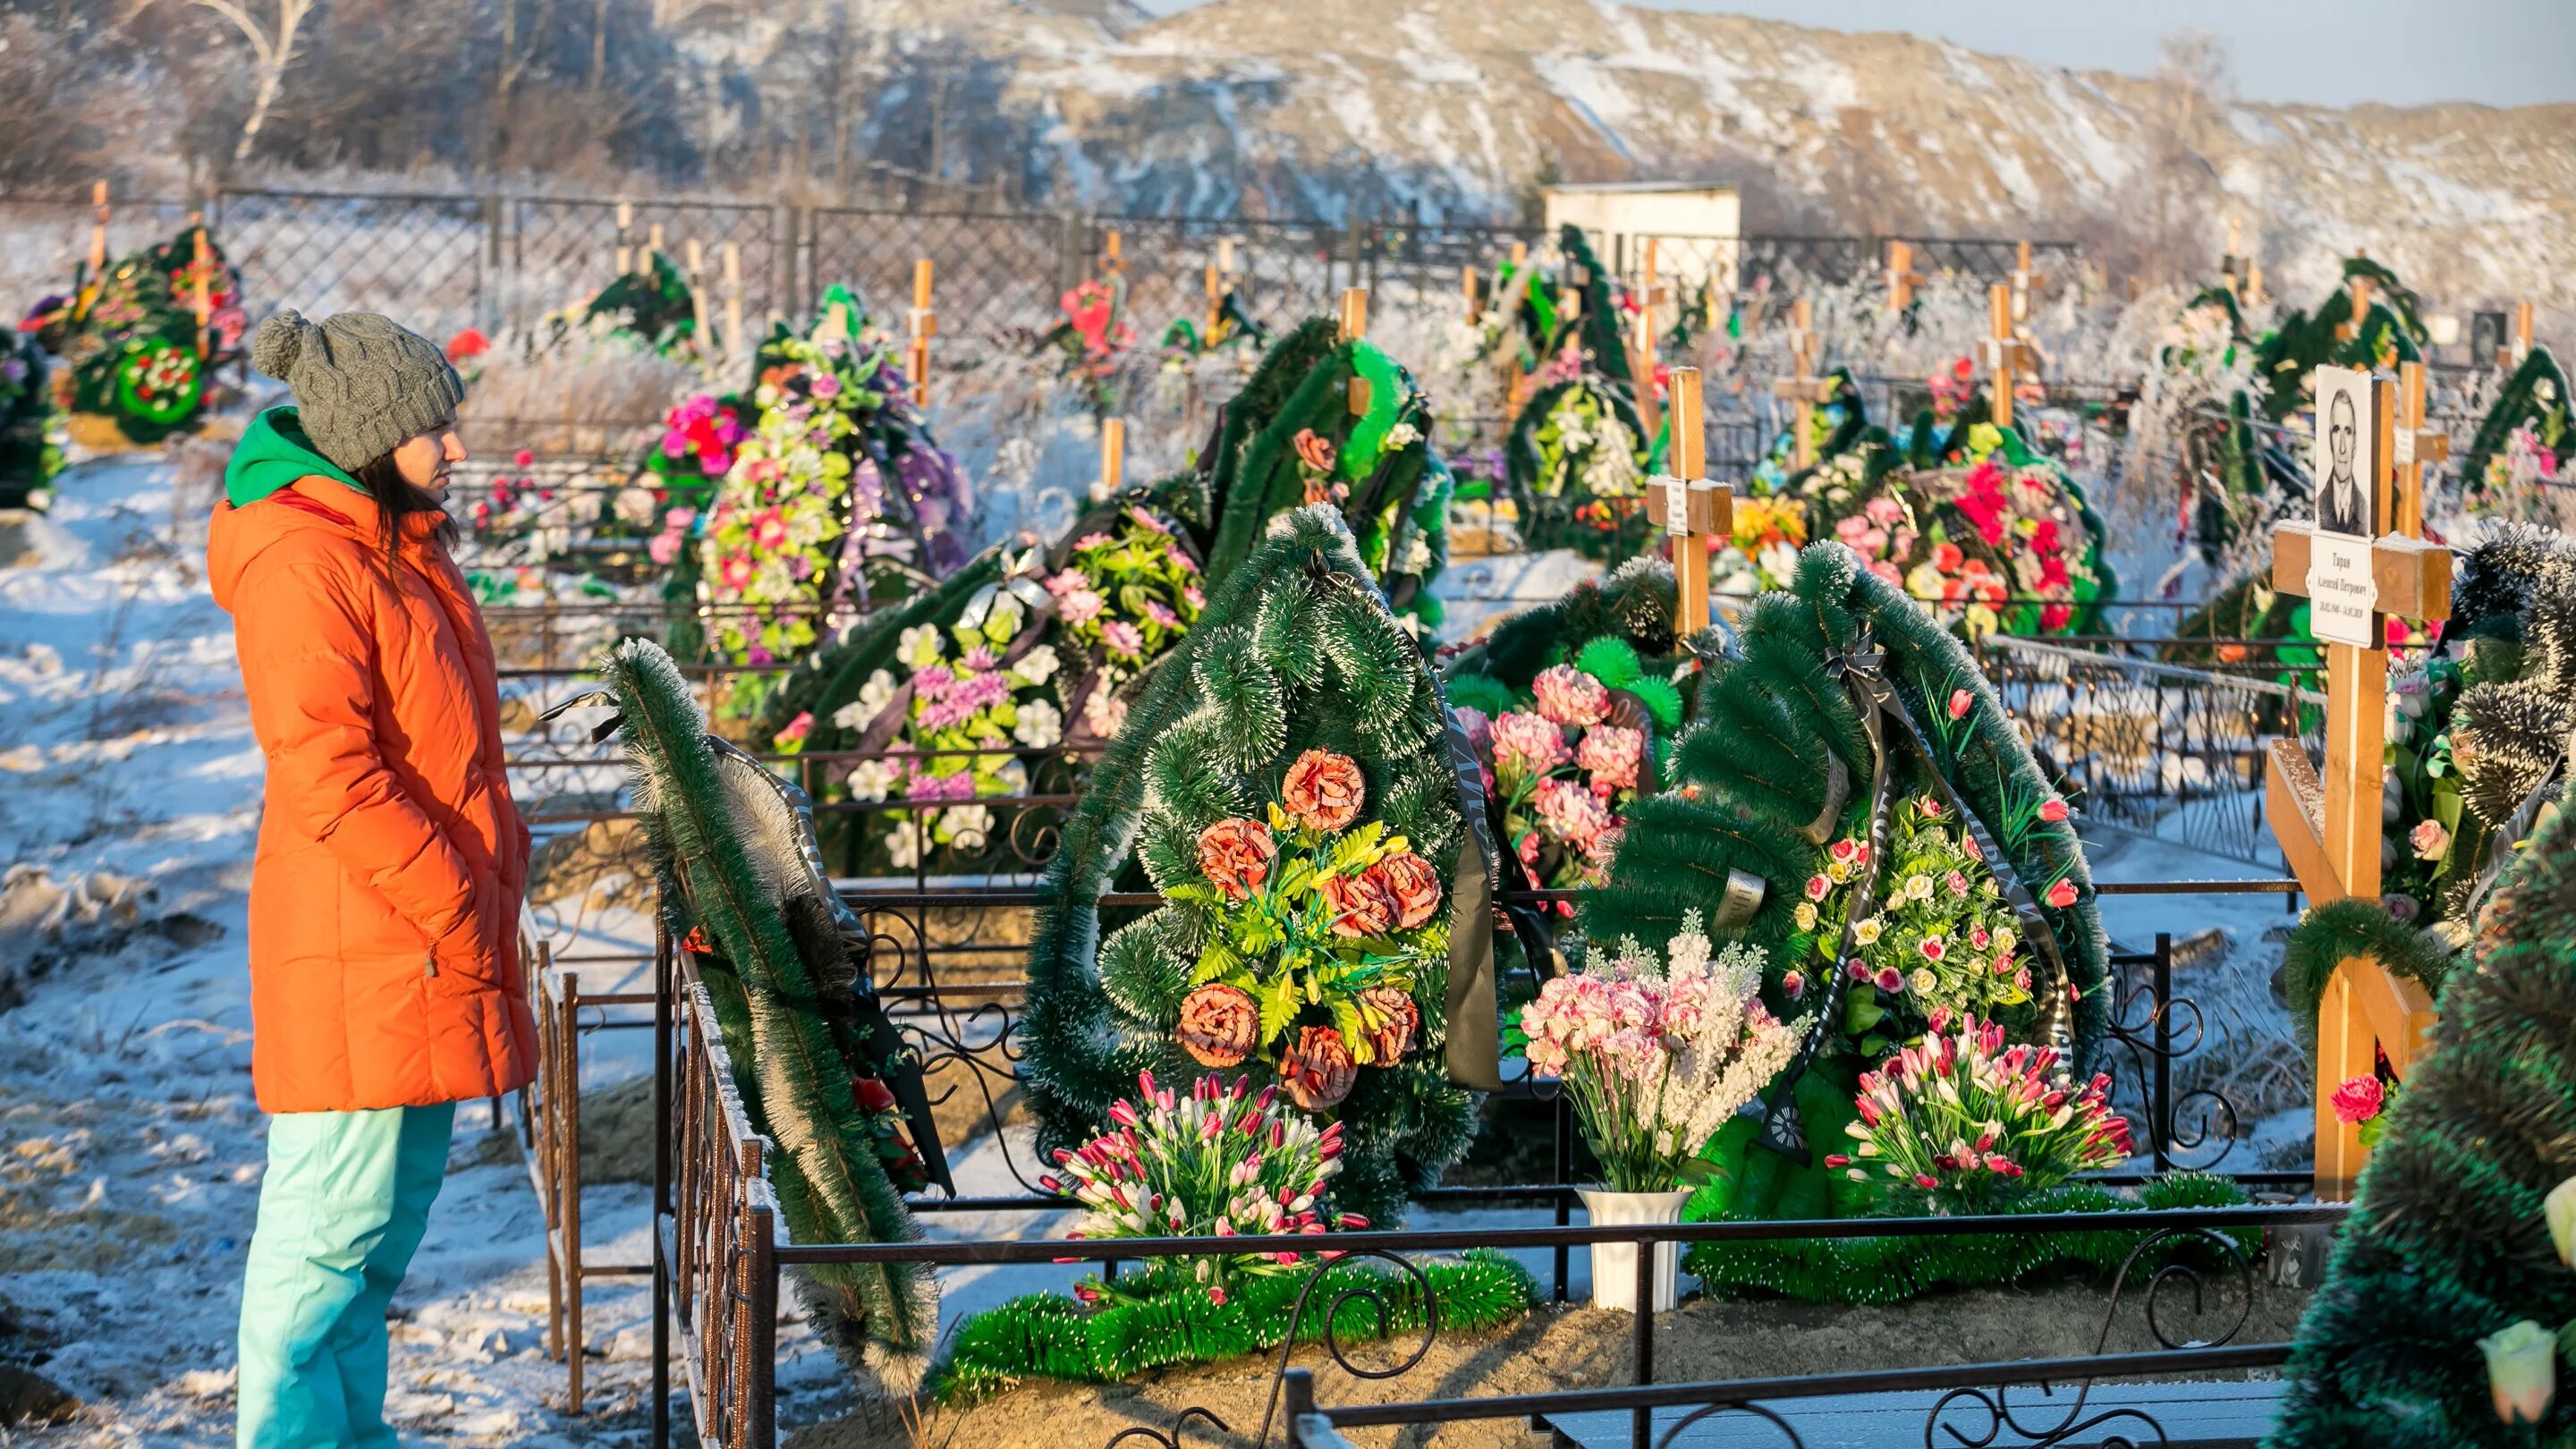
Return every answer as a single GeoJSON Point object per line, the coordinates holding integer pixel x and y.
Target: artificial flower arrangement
{"type": "Point", "coordinates": [29, 457]}
{"type": "Point", "coordinates": [2431, 842]}
{"type": "Point", "coordinates": [1657, 1054]}
{"type": "Point", "coordinates": [653, 303]}
{"type": "Point", "coordinates": [1320, 930]}
{"type": "Point", "coordinates": [1094, 338]}
{"type": "Point", "coordinates": [808, 506]}
{"type": "Point", "coordinates": [1221, 1161]}
{"type": "Point", "coordinates": [1579, 460]}
{"type": "Point", "coordinates": [129, 338]}
{"type": "Point", "coordinates": [1961, 1122]}
{"type": "Point", "coordinates": [975, 699]}
{"type": "Point", "coordinates": [1564, 761]}
{"type": "Point", "coordinates": [1122, 599]}
{"type": "Point", "coordinates": [1937, 942]}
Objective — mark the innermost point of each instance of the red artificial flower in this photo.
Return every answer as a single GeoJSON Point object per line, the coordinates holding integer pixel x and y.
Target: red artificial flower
{"type": "Point", "coordinates": [2052, 809]}
{"type": "Point", "coordinates": [2062, 894]}
{"type": "Point", "coordinates": [1960, 700]}
{"type": "Point", "coordinates": [2358, 1100]}
{"type": "Point", "coordinates": [1947, 557]}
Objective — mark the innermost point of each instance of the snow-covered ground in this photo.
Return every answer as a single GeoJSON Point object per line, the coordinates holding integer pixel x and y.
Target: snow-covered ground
{"type": "Point", "coordinates": [130, 1147]}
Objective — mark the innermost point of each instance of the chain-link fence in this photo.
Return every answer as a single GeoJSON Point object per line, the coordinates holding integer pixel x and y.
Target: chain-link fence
{"type": "Point", "coordinates": [444, 262]}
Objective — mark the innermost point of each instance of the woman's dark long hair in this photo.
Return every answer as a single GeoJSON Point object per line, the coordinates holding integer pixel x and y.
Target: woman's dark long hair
{"type": "Point", "coordinates": [395, 496]}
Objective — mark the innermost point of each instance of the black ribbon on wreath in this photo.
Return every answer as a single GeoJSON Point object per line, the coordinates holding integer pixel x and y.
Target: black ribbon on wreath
{"type": "Point", "coordinates": [1861, 670]}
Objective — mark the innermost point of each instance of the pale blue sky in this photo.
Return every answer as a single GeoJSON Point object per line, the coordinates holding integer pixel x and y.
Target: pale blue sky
{"type": "Point", "coordinates": [2331, 52]}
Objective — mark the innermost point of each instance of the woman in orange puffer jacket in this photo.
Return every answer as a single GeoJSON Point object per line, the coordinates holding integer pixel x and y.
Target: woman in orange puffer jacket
{"type": "Point", "coordinates": [385, 897]}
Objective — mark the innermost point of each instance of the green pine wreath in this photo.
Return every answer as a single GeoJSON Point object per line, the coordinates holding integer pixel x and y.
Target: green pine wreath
{"type": "Point", "coordinates": [1297, 652]}
{"type": "Point", "coordinates": [799, 1022]}
{"type": "Point", "coordinates": [2447, 1243]}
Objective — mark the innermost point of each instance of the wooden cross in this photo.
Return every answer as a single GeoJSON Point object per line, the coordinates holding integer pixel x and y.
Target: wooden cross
{"type": "Point", "coordinates": [2232, 265]}
{"type": "Point", "coordinates": [1802, 388]}
{"type": "Point", "coordinates": [2329, 829]}
{"type": "Point", "coordinates": [2008, 357]}
{"type": "Point", "coordinates": [2520, 347]}
{"type": "Point", "coordinates": [925, 325]}
{"type": "Point", "coordinates": [1220, 280]}
{"type": "Point", "coordinates": [98, 214]}
{"type": "Point", "coordinates": [1641, 361]}
{"type": "Point", "coordinates": [2415, 446]}
{"type": "Point", "coordinates": [199, 285]}
{"type": "Point", "coordinates": [1474, 295]}
{"type": "Point", "coordinates": [1113, 459]}
{"type": "Point", "coordinates": [737, 346]}
{"type": "Point", "coordinates": [2024, 282]}
{"type": "Point", "coordinates": [698, 303]}
{"type": "Point", "coordinates": [1690, 509]}
{"type": "Point", "coordinates": [1354, 326]}
{"type": "Point", "coordinates": [2350, 327]}
{"type": "Point", "coordinates": [1112, 261]}
{"type": "Point", "coordinates": [1902, 279]}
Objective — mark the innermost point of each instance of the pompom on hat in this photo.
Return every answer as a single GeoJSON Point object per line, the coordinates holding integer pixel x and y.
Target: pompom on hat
{"type": "Point", "coordinates": [363, 383]}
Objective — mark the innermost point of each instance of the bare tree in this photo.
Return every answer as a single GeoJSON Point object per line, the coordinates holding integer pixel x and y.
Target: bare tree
{"type": "Point", "coordinates": [2191, 93]}
{"type": "Point", "coordinates": [273, 48]}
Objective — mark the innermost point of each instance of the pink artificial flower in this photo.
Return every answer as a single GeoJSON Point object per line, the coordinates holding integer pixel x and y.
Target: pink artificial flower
{"type": "Point", "coordinates": [1196, 599]}
{"type": "Point", "coordinates": [1793, 985]}
{"type": "Point", "coordinates": [1884, 511]}
{"type": "Point", "coordinates": [1080, 607]}
{"type": "Point", "coordinates": [1818, 887]}
{"type": "Point", "coordinates": [1527, 743]}
{"type": "Point", "coordinates": [2358, 1100]}
{"type": "Point", "coordinates": [2062, 894]}
{"type": "Point", "coordinates": [1609, 754]}
{"type": "Point", "coordinates": [1932, 947]}
{"type": "Point", "coordinates": [826, 385]}
{"type": "Point", "coordinates": [1066, 582]}
{"type": "Point", "coordinates": [1889, 979]}
{"type": "Point", "coordinates": [1957, 883]}
{"type": "Point", "coordinates": [1571, 814]}
{"type": "Point", "coordinates": [736, 572]}
{"type": "Point", "coordinates": [2052, 809]}
{"type": "Point", "coordinates": [1960, 700]}
{"type": "Point", "coordinates": [1569, 696]}
{"type": "Point", "coordinates": [799, 727]}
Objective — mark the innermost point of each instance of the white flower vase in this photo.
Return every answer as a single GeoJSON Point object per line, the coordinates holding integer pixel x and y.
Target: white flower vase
{"type": "Point", "coordinates": [1614, 1265]}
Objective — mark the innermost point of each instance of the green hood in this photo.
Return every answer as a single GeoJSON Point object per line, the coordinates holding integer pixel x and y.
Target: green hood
{"type": "Point", "coordinates": [272, 454]}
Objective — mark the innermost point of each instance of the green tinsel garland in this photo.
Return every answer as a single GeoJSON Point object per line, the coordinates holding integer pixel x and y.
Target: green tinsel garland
{"type": "Point", "coordinates": [2329, 933]}
{"type": "Point", "coordinates": [2446, 1242]}
{"type": "Point", "coordinates": [1050, 1336]}
{"type": "Point", "coordinates": [777, 1018]}
{"type": "Point", "coordinates": [1891, 1270]}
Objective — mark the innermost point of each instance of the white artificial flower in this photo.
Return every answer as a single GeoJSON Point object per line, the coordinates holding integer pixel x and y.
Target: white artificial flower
{"type": "Point", "coordinates": [919, 646]}
{"type": "Point", "coordinates": [1040, 725]}
{"type": "Point", "coordinates": [635, 506]}
{"type": "Point", "coordinates": [903, 847]}
{"type": "Point", "coordinates": [1012, 776]}
{"type": "Point", "coordinates": [1402, 435]}
{"type": "Point", "coordinates": [1037, 666]}
{"type": "Point", "coordinates": [877, 693]}
{"type": "Point", "coordinates": [874, 780]}
{"type": "Point", "coordinates": [966, 826]}
{"type": "Point", "coordinates": [1417, 556]}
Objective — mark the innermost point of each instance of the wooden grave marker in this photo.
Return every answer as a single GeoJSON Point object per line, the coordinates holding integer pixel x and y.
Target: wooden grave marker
{"type": "Point", "coordinates": [1641, 359]}
{"type": "Point", "coordinates": [923, 322]}
{"type": "Point", "coordinates": [2009, 358]}
{"type": "Point", "coordinates": [1113, 459]}
{"type": "Point", "coordinates": [2360, 288]}
{"type": "Point", "coordinates": [1689, 508]}
{"type": "Point", "coordinates": [737, 346]}
{"type": "Point", "coordinates": [1802, 388]}
{"type": "Point", "coordinates": [2025, 281]}
{"type": "Point", "coordinates": [1353, 327]}
{"type": "Point", "coordinates": [1902, 279]}
{"type": "Point", "coordinates": [200, 286]}
{"type": "Point", "coordinates": [98, 214]}
{"type": "Point", "coordinates": [697, 254]}
{"type": "Point", "coordinates": [2329, 827]}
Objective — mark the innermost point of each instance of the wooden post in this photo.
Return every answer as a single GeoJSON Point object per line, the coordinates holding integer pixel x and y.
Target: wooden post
{"type": "Point", "coordinates": [1467, 287]}
{"type": "Point", "coordinates": [625, 247]}
{"type": "Point", "coordinates": [1113, 458]}
{"type": "Point", "coordinates": [199, 287]}
{"type": "Point", "coordinates": [2329, 828]}
{"type": "Point", "coordinates": [1802, 388]}
{"type": "Point", "coordinates": [2007, 356]}
{"type": "Point", "coordinates": [2416, 446]}
{"type": "Point", "coordinates": [2521, 347]}
{"type": "Point", "coordinates": [1112, 259]}
{"type": "Point", "coordinates": [97, 230]}
{"type": "Point", "coordinates": [2350, 327]}
{"type": "Point", "coordinates": [697, 259]}
{"type": "Point", "coordinates": [1354, 326]}
{"type": "Point", "coordinates": [1689, 509]}
{"type": "Point", "coordinates": [925, 324]}
{"type": "Point", "coordinates": [1641, 363]}
{"type": "Point", "coordinates": [2024, 282]}
{"type": "Point", "coordinates": [737, 347]}
{"type": "Point", "coordinates": [1902, 279]}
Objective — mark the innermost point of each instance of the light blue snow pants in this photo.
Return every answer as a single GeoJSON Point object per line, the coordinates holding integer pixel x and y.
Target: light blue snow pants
{"type": "Point", "coordinates": [343, 1207]}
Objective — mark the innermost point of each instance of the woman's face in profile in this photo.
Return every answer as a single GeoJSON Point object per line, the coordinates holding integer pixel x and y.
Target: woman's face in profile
{"type": "Point", "coordinates": [426, 457]}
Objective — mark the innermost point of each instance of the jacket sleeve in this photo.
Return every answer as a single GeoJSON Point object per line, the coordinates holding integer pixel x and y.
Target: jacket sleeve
{"type": "Point", "coordinates": [305, 641]}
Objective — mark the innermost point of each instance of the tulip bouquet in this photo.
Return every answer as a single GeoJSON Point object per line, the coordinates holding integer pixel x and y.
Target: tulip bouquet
{"type": "Point", "coordinates": [1320, 928]}
{"type": "Point", "coordinates": [1966, 1123]}
{"type": "Point", "coordinates": [1221, 1162]}
{"type": "Point", "coordinates": [1121, 599]}
{"type": "Point", "coordinates": [1658, 1054]}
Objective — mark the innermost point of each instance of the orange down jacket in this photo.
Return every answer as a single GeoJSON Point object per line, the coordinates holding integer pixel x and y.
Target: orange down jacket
{"type": "Point", "coordinates": [384, 900]}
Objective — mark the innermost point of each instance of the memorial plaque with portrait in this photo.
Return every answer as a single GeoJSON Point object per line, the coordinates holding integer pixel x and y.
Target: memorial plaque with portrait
{"type": "Point", "coordinates": [2345, 466]}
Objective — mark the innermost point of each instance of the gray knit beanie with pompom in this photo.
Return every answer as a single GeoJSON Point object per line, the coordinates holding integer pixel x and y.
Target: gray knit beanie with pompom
{"type": "Point", "coordinates": [363, 383]}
